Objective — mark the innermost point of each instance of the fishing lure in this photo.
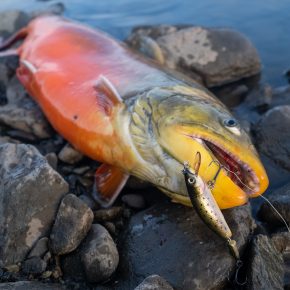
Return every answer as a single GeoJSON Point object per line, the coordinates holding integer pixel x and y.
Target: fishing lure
{"type": "Point", "coordinates": [206, 206]}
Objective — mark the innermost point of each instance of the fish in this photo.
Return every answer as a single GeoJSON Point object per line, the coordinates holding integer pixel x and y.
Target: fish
{"type": "Point", "coordinates": [206, 206]}
{"type": "Point", "coordinates": [132, 115]}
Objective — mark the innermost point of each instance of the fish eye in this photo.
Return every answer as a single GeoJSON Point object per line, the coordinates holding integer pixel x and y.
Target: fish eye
{"type": "Point", "coordinates": [191, 180]}
{"type": "Point", "coordinates": [231, 123]}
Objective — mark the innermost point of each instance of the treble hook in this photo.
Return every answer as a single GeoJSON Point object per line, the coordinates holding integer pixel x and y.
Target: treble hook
{"type": "Point", "coordinates": [211, 183]}
{"type": "Point", "coordinates": [239, 265]}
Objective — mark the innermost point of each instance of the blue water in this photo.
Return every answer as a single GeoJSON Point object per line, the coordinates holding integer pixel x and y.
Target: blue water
{"type": "Point", "coordinates": [266, 23]}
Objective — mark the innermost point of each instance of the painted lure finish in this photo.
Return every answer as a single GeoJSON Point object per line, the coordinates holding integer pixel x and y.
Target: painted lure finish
{"type": "Point", "coordinates": [126, 112]}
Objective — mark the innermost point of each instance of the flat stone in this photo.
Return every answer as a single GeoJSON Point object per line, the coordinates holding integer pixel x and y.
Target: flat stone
{"type": "Point", "coordinates": [280, 198]}
{"type": "Point", "coordinates": [217, 55]}
{"type": "Point", "coordinates": [269, 139]}
{"type": "Point", "coordinates": [31, 285]}
{"type": "Point", "coordinates": [34, 265]}
{"type": "Point", "coordinates": [70, 155]}
{"type": "Point", "coordinates": [72, 223]}
{"type": "Point", "coordinates": [40, 248]}
{"type": "Point", "coordinates": [266, 265]}
{"type": "Point", "coordinates": [22, 113]}
{"type": "Point", "coordinates": [167, 237]}
{"type": "Point", "coordinates": [99, 255]}
{"type": "Point", "coordinates": [154, 282]}
{"type": "Point", "coordinates": [30, 192]}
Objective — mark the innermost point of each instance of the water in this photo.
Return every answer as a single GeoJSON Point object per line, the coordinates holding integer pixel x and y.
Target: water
{"type": "Point", "coordinates": [266, 23]}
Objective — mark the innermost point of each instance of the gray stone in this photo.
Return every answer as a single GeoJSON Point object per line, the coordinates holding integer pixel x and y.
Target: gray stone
{"type": "Point", "coordinates": [134, 200]}
{"type": "Point", "coordinates": [11, 21]}
{"type": "Point", "coordinates": [30, 192]}
{"type": "Point", "coordinates": [40, 248]}
{"type": "Point", "coordinates": [280, 198]}
{"type": "Point", "coordinates": [34, 265]}
{"type": "Point", "coordinates": [99, 255]}
{"type": "Point", "coordinates": [281, 241]}
{"type": "Point", "coordinates": [217, 55]}
{"type": "Point", "coordinates": [7, 139]}
{"type": "Point", "coordinates": [88, 201]}
{"type": "Point", "coordinates": [70, 155]}
{"type": "Point", "coordinates": [72, 223]}
{"type": "Point", "coordinates": [8, 65]}
{"type": "Point", "coordinates": [52, 159]}
{"type": "Point", "coordinates": [31, 285]}
{"type": "Point", "coordinates": [167, 237]}
{"type": "Point", "coordinates": [53, 9]}
{"type": "Point", "coordinates": [108, 214]}
{"type": "Point", "coordinates": [266, 265]}
{"type": "Point", "coordinates": [22, 113]}
{"type": "Point", "coordinates": [273, 135]}
{"type": "Point", "coordinates": [154, 282]}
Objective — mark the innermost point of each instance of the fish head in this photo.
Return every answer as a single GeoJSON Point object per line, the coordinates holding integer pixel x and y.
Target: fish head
{"type": "Point", "coordinates": [187, 120]}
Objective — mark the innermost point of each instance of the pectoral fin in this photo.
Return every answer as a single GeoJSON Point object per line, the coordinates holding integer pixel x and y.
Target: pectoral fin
{"type": "Point", "coordinates": [109, 181]}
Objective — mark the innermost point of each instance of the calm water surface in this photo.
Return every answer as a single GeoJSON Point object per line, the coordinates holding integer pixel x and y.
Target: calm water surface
{"type": "Point", "coordinates": [266, 23]}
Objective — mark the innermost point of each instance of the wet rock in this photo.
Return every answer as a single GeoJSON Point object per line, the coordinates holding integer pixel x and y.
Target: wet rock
{"type": "Point", "coordinates": [31, 285]}
{"type": "Point", "coordinates": [168, 236]}
{"type": "Point", "coordinates": [281, 241]}
{"type": "Point", "coordinates": [52, 160]}
{"type": "Point", "coordinates": [33, 265]}
{"type": "Point", "coordinates": [70, 155]}
{"type": "Point", "coordinates": [269, 137]}
{"type": "Point", "coordinates": [22, 113]}
{"type": "Point", "coordinates": [53, 9]}
{"type": "Point", "coordinates": [108, 214]}
{"type": "Point", "coordinates": [7, 139]}
{"type": "Point", "coordinates": [30, 192]}
{"type": "Point", "coordinates": [73, 221]}
{"type": "Point", "coordinates": [88, 201]}
{"type": "Point", "coordinates": [11, 21]}
{"type": "Point", "coordinates": [280, 198]}
{"type": "Point", "coordinates": [266, 265]}
{"type": "Point", "coordinates": [154, 282]}
{"type": "Point", "coordinates": [99, 255]}
{"type": "Point", "coordinates": [40, 248]}
{"type": "Point", "coordinates": [134, 200]}
{"type": "Point", "coordinates": [217, 55]}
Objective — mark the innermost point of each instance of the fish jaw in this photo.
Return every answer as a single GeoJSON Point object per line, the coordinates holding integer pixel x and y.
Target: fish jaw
{"type": "Point", "coordinates": [183, 142]}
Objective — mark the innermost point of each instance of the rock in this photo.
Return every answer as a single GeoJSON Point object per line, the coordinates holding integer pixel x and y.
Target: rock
{"type": "Point", "coordinates": [8, 66]}
{"type": "Point", "coordinates": [281, 241]}
{"type": "Point", "coordinates": [280, 198]}
{"type": "Point", "coordinates": [217, 55]}
{"type": "Point", "coordinates": [7, 139]}
{"type": "Point", "coordinates": [12, 268]}
{"type": "Point", "coordinates": [281, 96]}
{"type": "Point", "coordinates": [88, 201]}
{"type": "Point", "coordinates": [52, 160]}
{"type": "Point", "coordinates": [22, 113]}
{"type": "Point", "coordinates": [72, 223]}
{"type": "Point", "coordinates": [70, 155]}
{"type": "Point", "coordinates": [266, 265]}
{"type": "Point", "coordinates": [31, 285]}
{"type": "Point", "coordinates": [168, 236]}
{"type": "Point", "coordinates": [53, 9]}
{"type": "Point", "coordinates": [269, 139]}
{"type": "Point", "coordinates": [33, 265]}
{"type": "Point", "coordinates": [40, 248]}
{"type": "Point", "coordinates": [154, 282]}
{"type": "Point", "coordinates": [108, 214]}
{"type": "Point", "coordinates": [134, 200]}
{"type": "Point", "coordinates": [136, 183]}
{"type": "Point", "coordinates": [11, 21]}
{"type": "Point", "coordinates": [30, 192]}
{"type": "Point", "coordinates": [99, 255]}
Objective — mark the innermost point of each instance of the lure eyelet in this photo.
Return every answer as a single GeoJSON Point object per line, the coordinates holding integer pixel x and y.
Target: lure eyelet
{"type": "Point", "coordinates": [191, 180]}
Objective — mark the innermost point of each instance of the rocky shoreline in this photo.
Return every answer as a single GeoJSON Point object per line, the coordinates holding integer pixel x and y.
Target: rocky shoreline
{"type": "Point", "coordinates": [54, 236]}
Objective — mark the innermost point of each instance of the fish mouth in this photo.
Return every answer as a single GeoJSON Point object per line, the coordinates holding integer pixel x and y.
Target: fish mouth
{"type": "Point", "coordinates": [237, 170]}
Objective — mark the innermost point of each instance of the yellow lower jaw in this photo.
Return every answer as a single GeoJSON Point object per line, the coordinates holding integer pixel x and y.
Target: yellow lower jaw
{"type": "Point", "coordinates": [226, 192]}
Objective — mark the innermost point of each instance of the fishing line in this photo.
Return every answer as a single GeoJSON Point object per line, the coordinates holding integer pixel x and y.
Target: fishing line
{"type": "Point", "coordinates": [267, 200]}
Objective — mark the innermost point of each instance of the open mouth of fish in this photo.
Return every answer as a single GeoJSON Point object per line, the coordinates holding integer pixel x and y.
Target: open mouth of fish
{"type": "Point", "coordinates": [238, 171]}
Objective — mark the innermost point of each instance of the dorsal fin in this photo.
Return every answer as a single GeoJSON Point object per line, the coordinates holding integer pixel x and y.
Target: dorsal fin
{"type": "Point", "coordinates": [107, 95]}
